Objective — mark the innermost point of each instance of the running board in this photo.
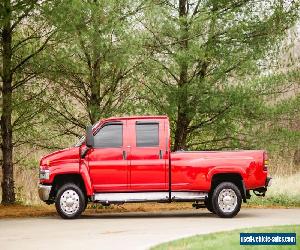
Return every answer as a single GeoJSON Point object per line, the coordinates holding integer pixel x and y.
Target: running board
{"type": "Point", "coordinates": [188, 196]}
{"type": "Point", "coordinates": [108, 198]}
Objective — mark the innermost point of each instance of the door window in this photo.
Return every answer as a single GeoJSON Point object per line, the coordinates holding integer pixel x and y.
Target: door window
{"type": "Point", "coordinates": [147, 134]}
{"type": "Point", "coordinates": [109, 136]}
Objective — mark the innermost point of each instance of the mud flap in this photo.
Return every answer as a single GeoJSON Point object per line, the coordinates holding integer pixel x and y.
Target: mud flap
{"type": "Point", "coordinates": [244, 193]}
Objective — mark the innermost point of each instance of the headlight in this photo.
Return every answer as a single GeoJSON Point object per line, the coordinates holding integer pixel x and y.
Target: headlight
{"type": "Point", "coordinates": [44, 174]}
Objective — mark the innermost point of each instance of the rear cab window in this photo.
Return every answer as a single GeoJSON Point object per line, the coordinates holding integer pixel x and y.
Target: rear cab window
{"type": "Point", "coordinates": [147, 134]}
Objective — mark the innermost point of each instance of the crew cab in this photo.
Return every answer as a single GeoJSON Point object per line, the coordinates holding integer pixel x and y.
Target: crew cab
{"type": "Point", "coordinates": [129, 159]}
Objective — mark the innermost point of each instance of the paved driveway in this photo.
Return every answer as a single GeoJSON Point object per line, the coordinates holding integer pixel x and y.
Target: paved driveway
{"type": "Point", "coordinates": [130, 230]}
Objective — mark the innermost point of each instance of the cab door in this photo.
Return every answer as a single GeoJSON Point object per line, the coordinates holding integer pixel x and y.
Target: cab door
{"type": "Point", "coordinates": [107, 160]}
{"type": "Point", "coordinates": [147, 156]}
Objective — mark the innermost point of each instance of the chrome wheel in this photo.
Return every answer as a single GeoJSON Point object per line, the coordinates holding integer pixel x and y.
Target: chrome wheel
{"type": "Point", "coordinates": [227, 200]}
{"type": "Point", "coordinates": [69, 202]}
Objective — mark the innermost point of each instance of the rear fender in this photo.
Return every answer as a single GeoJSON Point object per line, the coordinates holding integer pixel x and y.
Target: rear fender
{"type": "Point", "coordinates": [226, 170]}
{"type": "Point", "coordinates": [235, 175]}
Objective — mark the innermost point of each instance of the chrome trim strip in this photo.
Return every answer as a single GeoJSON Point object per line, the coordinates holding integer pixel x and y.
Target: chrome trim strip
{"type": "Point", "coordinates": [148, 196]}
{"type": "Point", "coordinates": [44, 192]}
{"type": "Point", "coordinates": [131, 197]}
{"type": "Point", "coordinates": [188, 196]}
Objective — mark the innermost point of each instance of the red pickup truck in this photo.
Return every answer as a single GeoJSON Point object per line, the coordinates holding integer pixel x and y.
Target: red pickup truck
{"type": "Point", "coordinates": [128, 159]}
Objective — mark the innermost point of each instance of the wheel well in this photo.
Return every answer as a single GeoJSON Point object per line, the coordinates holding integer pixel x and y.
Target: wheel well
{"type": "Point", "coordinates": [235, 178]}
{"type": "Point", "coordinates": [62, 179]}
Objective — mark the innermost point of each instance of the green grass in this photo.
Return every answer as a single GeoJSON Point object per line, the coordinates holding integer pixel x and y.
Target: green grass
{"type": "Point", "coordinates": [276, 200]}
{"type": "Point", "coordinates": [285, 192]}
{"type": "Point", "coordinates": [229, 240]}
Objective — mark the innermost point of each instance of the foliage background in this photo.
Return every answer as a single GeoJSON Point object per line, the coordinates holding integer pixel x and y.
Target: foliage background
{"type": "Point", "coordinates": [225, 72]}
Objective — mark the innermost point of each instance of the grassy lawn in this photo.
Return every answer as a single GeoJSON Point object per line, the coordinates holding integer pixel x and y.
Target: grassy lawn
{"type": "Point", "coordinates": [229, 240]}
{"type": "Point", "coordinates": [284, 192]}
{"type": "Point", "coordinates": [21, 210]}
{"type": "Point", "coordinates": [273, 201]}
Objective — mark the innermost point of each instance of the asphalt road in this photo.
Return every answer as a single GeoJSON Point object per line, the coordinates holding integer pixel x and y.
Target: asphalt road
{"type": "Point", "coordinates": [130, 230]}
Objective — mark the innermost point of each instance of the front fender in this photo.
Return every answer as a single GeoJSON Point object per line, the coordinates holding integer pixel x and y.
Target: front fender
{"type": "Point", "coordinates": [86, 179]}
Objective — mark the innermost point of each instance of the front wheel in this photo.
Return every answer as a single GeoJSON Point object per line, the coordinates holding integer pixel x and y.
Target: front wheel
{"type": "Point", "coordinates": [70, 201]}
{"type": "Point", "coordinates": [226, 200]}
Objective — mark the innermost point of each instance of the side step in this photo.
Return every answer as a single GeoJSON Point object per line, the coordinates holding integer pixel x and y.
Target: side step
{"type": "Point", "coordinates": [188, 196]}
{"type": "Point", "coordinates": [108, 198]}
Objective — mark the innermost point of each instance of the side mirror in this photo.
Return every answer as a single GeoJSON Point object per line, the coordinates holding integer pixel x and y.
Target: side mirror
{"type": "Point", "coordinates": [89, 137]}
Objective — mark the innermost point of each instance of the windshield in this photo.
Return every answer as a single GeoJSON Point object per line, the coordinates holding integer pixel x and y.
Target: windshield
{"type": "Point", "coordinates": [82, 139]}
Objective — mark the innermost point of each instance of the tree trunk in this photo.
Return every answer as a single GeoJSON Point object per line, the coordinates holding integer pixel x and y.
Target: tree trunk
{"type": "Point", "coordinates": [8, 193]}
{"type": "Point", "coordinates": [94, 102]}
{"type": "Point", "coordinates": [182, 124]}
{"type": "Point", "coordinates": [183, 119]}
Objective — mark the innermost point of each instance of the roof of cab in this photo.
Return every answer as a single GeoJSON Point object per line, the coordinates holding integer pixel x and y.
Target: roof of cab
{"type": "Point", "coordinates": [137, 117]}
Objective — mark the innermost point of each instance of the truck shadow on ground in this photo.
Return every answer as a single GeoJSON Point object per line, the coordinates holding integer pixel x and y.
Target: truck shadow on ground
{"type": "Point", "coordinates": [146, 215]}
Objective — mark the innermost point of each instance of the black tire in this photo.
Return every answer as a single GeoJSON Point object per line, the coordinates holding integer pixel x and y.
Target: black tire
{"type": "Point", "coordinates": [78, 197]}
{"type": "Point", "coordinates": [208, 204]}
{"type": "Point", "coordinates": [86, 203]}
{"type": "Point", "coordinates": [222, 211]}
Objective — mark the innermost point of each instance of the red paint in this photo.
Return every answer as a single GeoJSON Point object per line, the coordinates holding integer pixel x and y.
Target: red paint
{"type": "Point", "coordinates": [147, 168]}
{"type": "Point", "coordinates": [64, 161]}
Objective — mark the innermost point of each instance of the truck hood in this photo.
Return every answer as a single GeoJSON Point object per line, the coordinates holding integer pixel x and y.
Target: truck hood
{"type": "Point", "coordinates": [64, 155]}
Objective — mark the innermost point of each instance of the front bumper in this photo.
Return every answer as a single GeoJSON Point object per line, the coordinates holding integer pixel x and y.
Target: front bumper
{"type": "Point", "coordinates": [44, 192]}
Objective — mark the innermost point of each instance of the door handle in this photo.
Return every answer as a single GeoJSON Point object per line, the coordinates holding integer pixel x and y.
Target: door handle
{"type": "Point", "coordinates": [124, 155]}
{"type": "Point", "coordinates": [160, 154]}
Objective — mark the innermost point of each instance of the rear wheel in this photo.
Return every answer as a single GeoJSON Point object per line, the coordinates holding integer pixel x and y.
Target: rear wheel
{"type": "Point", "coordinates": [70, 201]}
{"type": "Point", "coordinates": [226, 200]}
